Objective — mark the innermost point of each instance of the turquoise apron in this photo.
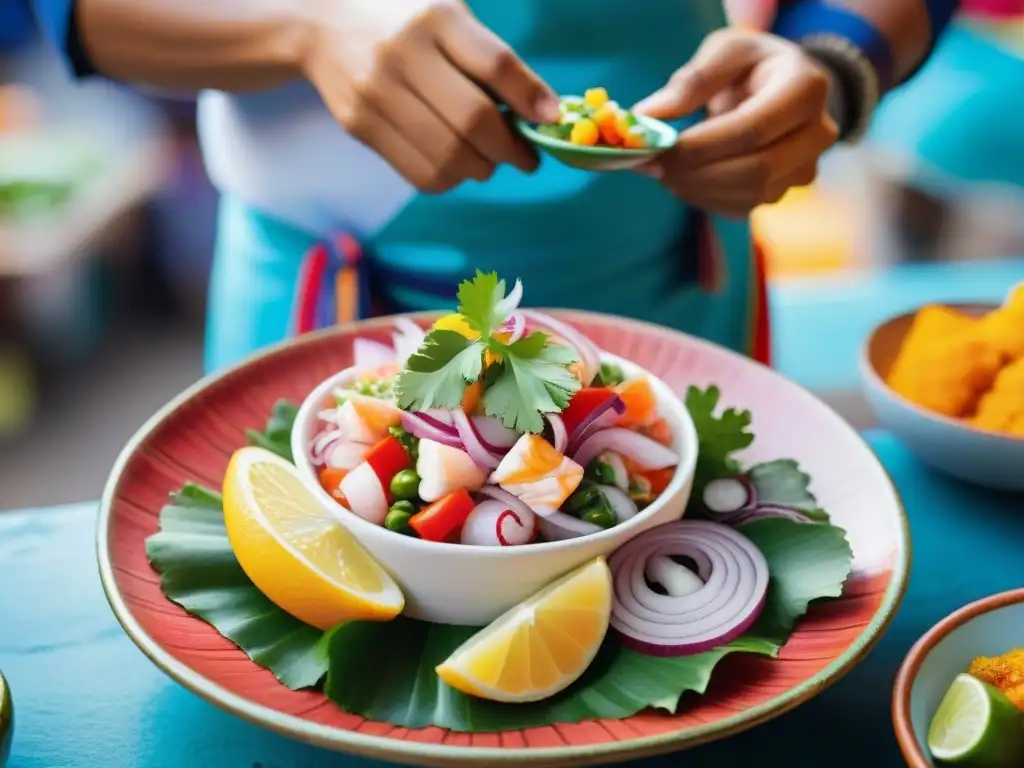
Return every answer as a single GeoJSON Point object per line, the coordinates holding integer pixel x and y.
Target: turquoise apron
{"type": "Point", "coordinates": [615, 242]}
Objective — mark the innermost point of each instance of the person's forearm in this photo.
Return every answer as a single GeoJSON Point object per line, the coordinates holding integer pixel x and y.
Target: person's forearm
{"type": "Point", "coordinates": [194, 44]}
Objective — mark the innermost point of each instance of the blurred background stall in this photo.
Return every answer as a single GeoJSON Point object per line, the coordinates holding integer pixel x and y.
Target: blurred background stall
{"type": "Point", "coordinates": [107, 218]}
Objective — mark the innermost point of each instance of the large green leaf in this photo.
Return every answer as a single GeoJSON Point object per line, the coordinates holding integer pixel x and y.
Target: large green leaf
{"type": "Point", "coordinates": [385, 672]}
{"type": "Point", "coordinates": [276, 436]}
{"type": "Point", "coordinates": [199, 572]}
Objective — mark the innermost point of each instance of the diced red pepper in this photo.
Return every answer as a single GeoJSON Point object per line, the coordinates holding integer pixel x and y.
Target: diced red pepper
{"type": "Point", "coordinates": [584, 403]}
{"type": "Point", "coordinates": [659, 479]}
{"type": "Point", "coordinates": [387, 458]}
{"type": "Point", "coordinates": [442, 519]}
{"type": "Point", "coordinates": [330, 479]}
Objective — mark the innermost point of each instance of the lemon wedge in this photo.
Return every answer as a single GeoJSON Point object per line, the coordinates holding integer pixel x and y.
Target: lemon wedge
{"type": "Point", "coordinates": [539, 647]}
{"type": "Point", "coordinates": [295, 550]}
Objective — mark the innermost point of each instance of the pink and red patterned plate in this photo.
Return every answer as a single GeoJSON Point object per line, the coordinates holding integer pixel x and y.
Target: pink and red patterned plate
{"type": "Point", "coordinates": [193, 437]}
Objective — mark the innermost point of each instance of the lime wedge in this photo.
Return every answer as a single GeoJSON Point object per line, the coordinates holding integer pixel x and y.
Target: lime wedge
{"type": "Point", "coordinates": [6, 721]}
{"type": "Point", "coordinates": [977, 725]}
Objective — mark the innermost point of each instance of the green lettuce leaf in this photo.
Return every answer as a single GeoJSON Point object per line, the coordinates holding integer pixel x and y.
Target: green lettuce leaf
{"type": "Point", "coordinates": [276, 437]}
{"type": "Point", "coordinates": [199, 572]}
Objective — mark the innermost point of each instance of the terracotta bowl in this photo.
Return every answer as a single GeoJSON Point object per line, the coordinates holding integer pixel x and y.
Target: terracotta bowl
{"type": "Point", "coordinates": [988, 627]}
{"type": "Point", "coordinates": [956, 447]}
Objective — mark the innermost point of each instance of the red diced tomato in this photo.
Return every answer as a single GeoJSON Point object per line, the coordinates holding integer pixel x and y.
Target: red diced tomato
{"type": "Point", "coordinates": [444, 518]}
{"type": "Point", "coordinates": [583, 403]}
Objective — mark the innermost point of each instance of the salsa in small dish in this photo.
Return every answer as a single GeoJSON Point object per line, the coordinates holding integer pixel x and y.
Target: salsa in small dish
{"type": "Point", "coordinates": [595, 133]}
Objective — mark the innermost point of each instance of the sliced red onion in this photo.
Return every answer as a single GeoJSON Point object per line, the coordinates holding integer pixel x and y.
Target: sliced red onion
{"type": "Point", "coordinates": [328, 415]}
{"type": "Point", "coordinates": [510, 303]}
{"type": "Point", "coordinates": [560, 438]}
{"type": "Point", "coordinates": [558, 526]}
{"type": "Point", "coordinates": [494, 524]}
{"type": "Point", "coordinates": [618, 467]}
{"type": "Point", "coordinates": [323, 442]}
{"type": "Point", "coordinates": [345, 455]}
{"type": "Point", "coordinates": [728, 495]}
{"type": "Point", "coordinates": [645, 452]}
{"type": "Point", "coordinates": [624, 507]}
{"type": "Point", "coordinates": [735, 576]}
{"type": "Point", "coordinates": [515, 326]}
{"type": "Point", "coordinates": [471, 442]}
{"type": "Point", "coordinates": [510, 500]}
{"type": "Point", "coordinates": [495, 436]}
{"type": "Point", "coordinates": [439, 417]}
{"type": "Point", "coordinates": [604, 416]}
{"type": "Point", "coordinates": [427, 429]}
{"type": "Point", "coordinates": [589, 354]}
{"type": "Point", "coordinates": [408, 339]}
{"type": "Point", "coordinates": [369, 355]}
{"type": "Point", "coordinates": [762, 511]}
{"type": "Point", "coordinates": [365, 495]}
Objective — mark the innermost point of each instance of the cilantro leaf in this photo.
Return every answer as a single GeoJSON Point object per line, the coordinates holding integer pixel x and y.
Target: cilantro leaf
{"type": "Point", "coordinates": [534, 379]}
{"type": "Point", "coordinates": [437, 374]}
{"type": "Point", "coordinates": [479, 300]}
{"type": "Point", "coordinates": [718, 436]}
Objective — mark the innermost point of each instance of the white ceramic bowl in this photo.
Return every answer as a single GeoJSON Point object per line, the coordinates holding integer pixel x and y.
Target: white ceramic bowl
{"type": "Point", "coordinates": [956, 447]}
{"type": "Point", "coordinates": [472, 585]}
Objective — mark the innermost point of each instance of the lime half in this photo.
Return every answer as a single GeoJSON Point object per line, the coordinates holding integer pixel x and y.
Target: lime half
{"type": "Point", "coordinates": [977, 725]}
{"type": "Point", "coordinates": [6, 721]}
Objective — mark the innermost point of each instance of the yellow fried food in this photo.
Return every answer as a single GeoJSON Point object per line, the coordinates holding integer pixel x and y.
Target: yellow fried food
{"type": "Point", "coordinates": [1001, 409]}
{"type": "Point", "coordinates": [944, 365]}
{"type": "Point", "coordinates": [1005, 672]}
{"type": "Point", "coordinates": [1003, 328]}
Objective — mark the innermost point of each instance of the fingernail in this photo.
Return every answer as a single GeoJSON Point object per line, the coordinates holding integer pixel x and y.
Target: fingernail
{"type": "Point", "coordinates": [547, 108]}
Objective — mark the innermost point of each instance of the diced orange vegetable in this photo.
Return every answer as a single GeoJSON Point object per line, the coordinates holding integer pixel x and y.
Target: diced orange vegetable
{"type": "Point", "coordinates": [471, 400]}
{"type": "Point", "coordinates": [444, 518]}
{"type": "Point", "coordinates": [944, 365]}
{"type": "Point", "coordinates": [583, 404]}
{"type": "Point", "coordinates": [641, 404]}
{"type": "Point", "coordinates": [330, 479]}
{"type": "Point", "coordinates": [659, 431]}
{"type": "Point", "coordinates": [595, 97]}
{"type": "Point", "coordinates": [659, 479]}
{"type": "Point", "coordinates": [584, 133]}
{"type": "Point", "coordinates": [1001, 409]}
{"type": "Point", "coordinates": [607, 119]}
{"type": "Point", "coordinates": [635, 138]}
{"type": "Point", "coordinates": [1003, 328]}
{"type": "Point", "coordinates": [387, 458]}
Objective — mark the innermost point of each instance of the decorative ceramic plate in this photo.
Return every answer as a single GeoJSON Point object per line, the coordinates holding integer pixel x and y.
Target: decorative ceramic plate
{"type": "Point", "coordinates": [193, 438]}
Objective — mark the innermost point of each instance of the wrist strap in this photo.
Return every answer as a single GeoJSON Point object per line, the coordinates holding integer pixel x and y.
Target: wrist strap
{"type": "Point", "coordinates": [810, 18]}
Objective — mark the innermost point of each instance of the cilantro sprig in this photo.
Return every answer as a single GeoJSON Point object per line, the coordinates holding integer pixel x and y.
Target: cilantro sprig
{"type": "Point", "coordinates": [523, 380]}
{"type": "Point", "coordinates": [719, 435]}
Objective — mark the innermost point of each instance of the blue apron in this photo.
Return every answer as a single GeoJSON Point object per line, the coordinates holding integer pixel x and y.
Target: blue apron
{"type": "Point", "coordinates": [614, 242]}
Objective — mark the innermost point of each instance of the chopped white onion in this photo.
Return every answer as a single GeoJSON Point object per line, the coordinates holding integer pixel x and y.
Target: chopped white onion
{"type": "Point", "coordinates": [365, 495]}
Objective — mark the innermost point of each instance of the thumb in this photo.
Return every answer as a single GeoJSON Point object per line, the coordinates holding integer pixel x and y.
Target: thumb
{"type": "Point", "coordinates": [722, 59]}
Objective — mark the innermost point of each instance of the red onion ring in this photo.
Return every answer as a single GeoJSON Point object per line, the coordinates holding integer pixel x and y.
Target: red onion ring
{"type": "Point", "coordinates": [728, 495]}
{"type": "Point", "coordinates": [647, 453]}
{"type": "Point", "coordinates": [618, 467]}
{"type": "Point", "coordinates": [589, 354]}
{"type": "Point", "coordinates": [426, 428]}
{"type": "Point", "coordinates": [472, 443]}
{"type": "Point", "coordinates": [560, 438]}
{"type": "Point", "coordinates": [492, 523]}
{"type": "Point", "coordinates": [322, 443]}
{"type": "Point", "coordinates": [623, 506]}
{"type": "Point", "coordinates": [515, 326]}
{"type": "Point", "coordinates": [558, 526]}
{"type": "Point", "coordinates": [735, 576]}
{"type": "Point", "coordinates": [763, 511]}
{"type": "Point", "coordinates": [439, 417]}
{"type": "Point", "coordinates": [604, 416]}
{"type": "Point", "coordinates": [495, 436]}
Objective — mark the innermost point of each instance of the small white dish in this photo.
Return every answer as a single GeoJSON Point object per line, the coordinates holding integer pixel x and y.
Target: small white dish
{"type": "Point", "coordinates": [472, 585]}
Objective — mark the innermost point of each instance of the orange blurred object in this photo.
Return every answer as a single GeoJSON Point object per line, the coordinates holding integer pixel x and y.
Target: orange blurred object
{"type": "Point", "coordinates": [807, 232]}
{"type": "Point", "coordinates": [20, 109]}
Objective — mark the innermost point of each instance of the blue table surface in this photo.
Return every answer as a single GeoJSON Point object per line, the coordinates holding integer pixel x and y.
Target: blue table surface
{"type": "Point", "coordinates": [85, 697]}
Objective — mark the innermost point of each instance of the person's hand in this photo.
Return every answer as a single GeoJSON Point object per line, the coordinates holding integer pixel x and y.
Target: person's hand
{"type": "Point", "coordinates": [767, 122]}
{"type": "Point", "coordinates": [408, 79]}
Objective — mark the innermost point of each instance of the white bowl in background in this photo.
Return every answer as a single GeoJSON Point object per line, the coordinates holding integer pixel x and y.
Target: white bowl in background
{"type": "Point", "coordinates": [472, 585]}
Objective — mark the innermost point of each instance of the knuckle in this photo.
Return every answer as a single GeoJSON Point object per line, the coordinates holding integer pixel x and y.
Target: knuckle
{"type": "Point", "coordinates": [354, 118]}
{"type": "Point", "coordinates": [474, 118]}
{"type": "Point", "coordinates": [500, 64]}
{"type": "Point", "coordinates": [750, 137]}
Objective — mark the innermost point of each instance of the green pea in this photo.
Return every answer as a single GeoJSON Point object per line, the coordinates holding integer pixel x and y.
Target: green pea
{"type": "Point", "coordinates": [600, 472]}
{"type": "Point", "coordinates": [405, 485]}
{"type": "Point", "coordinates": [411, 443]}
{"type": "Point", "coordinates": [603, 516]}
{"type": "Point", "coordinates": [398, 517]}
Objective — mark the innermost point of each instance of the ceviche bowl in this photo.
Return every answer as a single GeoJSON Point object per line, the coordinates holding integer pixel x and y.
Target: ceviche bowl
{"type": "Point", "coordinates": [471, 585]}
{"type": "Point", "coordinates": [969, 639]}
{"type": "Point", "coordinates": [956, 446]}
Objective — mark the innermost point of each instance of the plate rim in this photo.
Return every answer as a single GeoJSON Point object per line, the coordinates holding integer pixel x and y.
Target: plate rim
{"type": "Point", "coordinates": [421, 753]}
